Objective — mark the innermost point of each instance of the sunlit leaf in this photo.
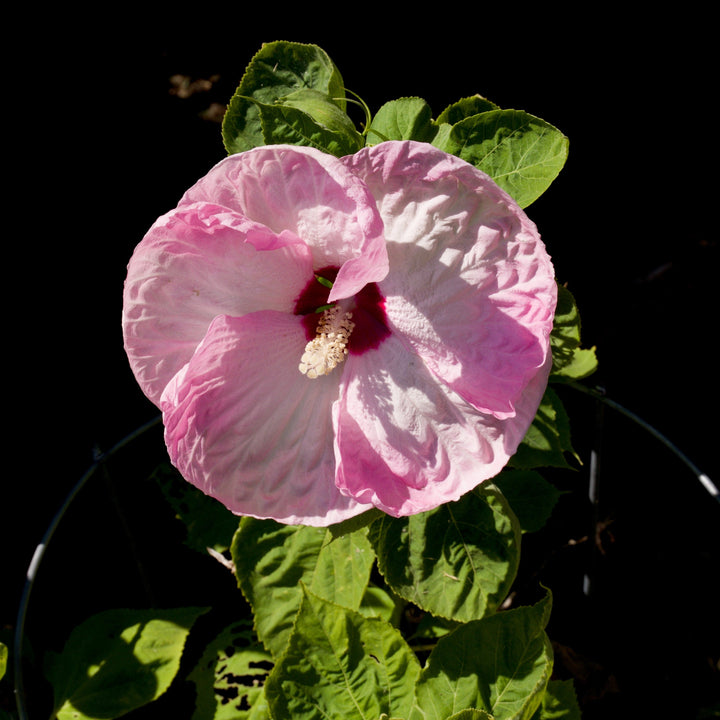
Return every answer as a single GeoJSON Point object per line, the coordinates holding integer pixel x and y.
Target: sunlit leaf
{"type": "Point", "coordinates": [465, 108]}
{"type": "Point", "coordinates": [457, 561]}
{"type": "Point", "coordinates": [119, 660]}
{"type": "Point", "coordinates": [402, 119]}
{"type": "Point", "coordinates": [3, 659]}
{"type": "Point", "coordinates": [309, 118]}
{"type": "Point", "coordinates": [570, 361]}
{"type": "Point", "coordinates": [471, 714]}
{"type": "Point", "coordinates": [230, 676]}
{"type": "Point", "coordinates": [277, 70]}
{"type": "Point", "coordinates": [500, 664]}
{"type": "Point", "coordinates": [272, 560]}
{"type": "Point", "coordinates": [377, 602]}
{"type": "Point", "coordinates": [357, 522]}
{"type": "Point", "coordinates": [341, 664]}
{"type": "Point", "coordinates": [521, 152]}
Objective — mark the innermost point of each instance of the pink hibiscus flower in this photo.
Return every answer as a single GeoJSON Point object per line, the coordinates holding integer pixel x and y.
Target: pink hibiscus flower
{"type": "Point", "coordinates": [328, 335]}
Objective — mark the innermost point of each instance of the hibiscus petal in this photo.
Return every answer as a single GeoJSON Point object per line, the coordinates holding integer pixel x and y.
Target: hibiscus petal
{"type": "Point", "coordinates": [407, 443]}
{"type": "Point", "coordinates": [471, 285]}
{"type": "Point", "coordinates": [246, 427]}
{"type": "Point", "coordinates": [313, 195]}
{"type": "Point", "coordinates": [196, 262]}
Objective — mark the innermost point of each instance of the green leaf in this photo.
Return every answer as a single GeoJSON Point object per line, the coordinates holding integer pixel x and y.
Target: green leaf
{"type": "Point", "coordinates": [277, 70]}
{"type": "Point", "coordinates": [559, 702]}
{"type": "Point", "coordinates": [402, 119]}
{"type": "Point", "coordinates": [208, 523]}
{"type": "Point", "coordinates": [521, 152]}
{"type": "Point", "coordinates": [358, 522]}
{"type": "Point", "coordinates": [471, 714]}
{"type": "Point", "coordinates": [457, 561]}
{"type": "Point", "coordinates": [230, 676]}
{"type": "Point", "coordinates": [341, 664]}
{"type": "Point", "coordinates": [465, 108]}
{"type": "Point", "coordinates": [272, 560]}
{"type": "Point", "coordinates": [119, 660]}
{"type": "Point", "coordinates": [547, 442]}
{"type": "Point", "coordinates": [308, 117]}
{"type": "Point", "coordinates": [570, 361]}
{"type": "Point", "coordinates": [431, 627]}
{"type": "Point", "coordinates": [377, 602]}
{"type": "Point", "coordinates": [500, 664]}
{"type": "Point", "coordinates": [584, 363]}
{"type": "Point", "coordinates": [3, 660]}
{"type": "Point", "coordinates": [531, 497]}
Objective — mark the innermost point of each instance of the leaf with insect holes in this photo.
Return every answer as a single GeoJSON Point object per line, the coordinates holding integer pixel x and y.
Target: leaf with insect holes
{"type": "Point", "coordinates": [230, 676]}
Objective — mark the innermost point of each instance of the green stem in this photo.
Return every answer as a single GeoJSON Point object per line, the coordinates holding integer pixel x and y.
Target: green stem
{"type": "Point", "coordinates": [359, 101]}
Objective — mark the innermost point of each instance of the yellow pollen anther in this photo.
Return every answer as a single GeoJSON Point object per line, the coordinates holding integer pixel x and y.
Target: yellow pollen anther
{"type": "Point", "coordinates": [329, 347]}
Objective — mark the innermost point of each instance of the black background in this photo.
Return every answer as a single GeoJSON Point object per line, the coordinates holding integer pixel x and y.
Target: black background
{"type": "Point", "coordinates": [101, 143]}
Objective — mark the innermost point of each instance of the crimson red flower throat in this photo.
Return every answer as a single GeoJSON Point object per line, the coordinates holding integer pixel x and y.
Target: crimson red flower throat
{"type": "Point", "coordinates": [370, 327]}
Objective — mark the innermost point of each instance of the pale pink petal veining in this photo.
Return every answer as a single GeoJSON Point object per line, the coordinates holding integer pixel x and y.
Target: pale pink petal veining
{"type": "Point", "coordinates": [244, 426]}
{"type": "Point", "coordinates": [447, 366]}
{"type": "Point", "coordinates": [313, 195]}
{"type": "Point", "coordinates": [196, 262]}
{"type": "Point", "coordinates": [471, 287]}
{"type": "Point", "coordinates": [406, 443]}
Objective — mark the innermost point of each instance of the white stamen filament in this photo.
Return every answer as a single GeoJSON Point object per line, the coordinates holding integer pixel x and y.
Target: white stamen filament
{"type": "Point", "coordinates": [329, 347]}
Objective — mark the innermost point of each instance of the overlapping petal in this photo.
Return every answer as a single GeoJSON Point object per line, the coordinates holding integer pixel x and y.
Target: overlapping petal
{"type": "Point", "coordinates": [310, 194]}
{"type": "Point", "coordinates": [471, 286]}
{"type": "Point", "coordinates": [454, 297]}
{"type": "Point", "coordinates": [243, 425]}
{"type": "Point", "coordinates": [404, 442]}
{"type": "Point", "coordinates": [245, 237]}
{"type": "Point", "coordinates": [195, 263]}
